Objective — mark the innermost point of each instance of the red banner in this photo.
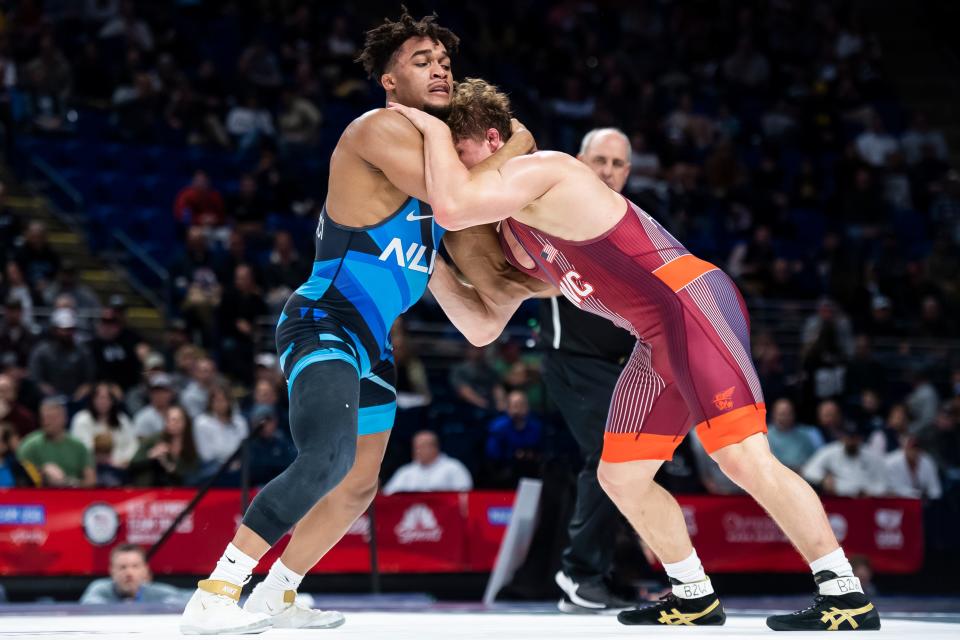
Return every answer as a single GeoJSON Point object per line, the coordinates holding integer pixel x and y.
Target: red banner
{"type": "Point", "coordinates": [733, 534]}
{"type": "Point", "coordinates": [71, 532]}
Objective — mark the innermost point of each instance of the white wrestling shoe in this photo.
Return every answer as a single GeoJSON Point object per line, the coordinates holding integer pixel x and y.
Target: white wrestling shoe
{"type": "Point", "coordinates": [213, 610]}
{"type": "Point", "coordinates": [286, 613]}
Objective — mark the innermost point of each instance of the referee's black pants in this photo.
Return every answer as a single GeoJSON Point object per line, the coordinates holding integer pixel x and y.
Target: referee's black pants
{"type": "Point", "coordinates": [581, 387]}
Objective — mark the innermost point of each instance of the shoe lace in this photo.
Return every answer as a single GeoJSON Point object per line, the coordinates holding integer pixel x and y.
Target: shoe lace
{"type": "Point", "coordinates": [818, 599]}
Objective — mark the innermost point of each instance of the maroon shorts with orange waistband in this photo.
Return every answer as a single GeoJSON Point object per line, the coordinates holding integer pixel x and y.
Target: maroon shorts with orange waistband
{"type": "Point", "coordinates": [693, 369]}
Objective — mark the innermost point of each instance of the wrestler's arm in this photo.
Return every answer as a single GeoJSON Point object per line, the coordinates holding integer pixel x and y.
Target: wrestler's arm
{"type": "Point", "coordinates": [480, 319]}
{"type": "Point", "coordinates": [390, 143]}
{"type": "Point", "coordinates": [461, 198]}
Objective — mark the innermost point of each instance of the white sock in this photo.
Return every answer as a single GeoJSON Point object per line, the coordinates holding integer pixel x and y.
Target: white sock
{"type": "Point", "coordinates": [234, 566]}
{"type": "Point", "coordinates": [282, 578]}
{"type": "Point", "coordinates": [835, 561]}
{"type": "Point", "coordinates": [687, 570]}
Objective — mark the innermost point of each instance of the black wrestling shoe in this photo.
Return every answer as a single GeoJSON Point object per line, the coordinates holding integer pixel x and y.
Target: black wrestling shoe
{"type": "Point", "coordinates": [840, 605]}
{"type": "Point", "coordinates": [690, 604]}
{"type": "Point", "coordinates": [589, 596]}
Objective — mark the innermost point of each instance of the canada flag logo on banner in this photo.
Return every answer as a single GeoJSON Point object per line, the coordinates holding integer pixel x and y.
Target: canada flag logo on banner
{"type": "Point", "coordinates": [418, 524]}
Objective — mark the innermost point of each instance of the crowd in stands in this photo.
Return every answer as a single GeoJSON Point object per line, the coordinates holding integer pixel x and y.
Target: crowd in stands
{"type": "Point", "coordinates": [764, 135]}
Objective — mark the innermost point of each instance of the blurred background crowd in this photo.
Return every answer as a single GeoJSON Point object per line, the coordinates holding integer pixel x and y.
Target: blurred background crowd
{"type": "Point", "coordinates": [190, 140]}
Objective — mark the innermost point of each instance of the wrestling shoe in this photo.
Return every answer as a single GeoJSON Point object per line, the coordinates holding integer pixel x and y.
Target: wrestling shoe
{"type": "Point", "coordinates": [691, 604]}
{"type": "Point", "coordinates": [840, 605]}
{"type": "Point", "coordinates": [286, 613]}
{"type": "Point", "coordinates": [592, 596]}
{"type": "Point", "coordinates": [213, 610]}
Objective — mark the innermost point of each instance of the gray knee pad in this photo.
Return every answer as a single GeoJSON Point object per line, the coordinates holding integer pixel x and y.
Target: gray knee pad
{"type": "Point", "coordinates": [323, 423]}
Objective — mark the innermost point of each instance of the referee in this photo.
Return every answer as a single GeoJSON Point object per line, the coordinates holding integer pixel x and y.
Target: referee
{"type": "Point", "coordinates": [585, 355]}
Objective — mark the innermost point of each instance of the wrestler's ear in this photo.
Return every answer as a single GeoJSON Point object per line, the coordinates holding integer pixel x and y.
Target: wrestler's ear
{"type": "Point", "coordinates": [493, 139]}
{"type": "Point", "coordinates": [388, 82]}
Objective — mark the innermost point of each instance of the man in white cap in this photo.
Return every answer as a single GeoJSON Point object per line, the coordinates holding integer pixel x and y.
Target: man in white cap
{"type": "Point", "coordinates": [59, 365]}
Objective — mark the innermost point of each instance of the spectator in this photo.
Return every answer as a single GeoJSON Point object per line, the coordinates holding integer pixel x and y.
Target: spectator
{"type": "Point", "coordinates": [199, 204]}
{"type": "Point", "coordinates": [61, 460]}
{"type": "Point", "coordinates": [149, 420]}
{"type": "Point", "coordinates": [115, 361]}
{"type": "Point", "coordinates": [791, 443]}
{"type": "Point", "coordinates": [747, 67]}
{"type": "Point", "coordinates": [17, 289]}
{"type": "Point", "coordinates": [862, 209]}
{"type": "Point", "coordinates": [168, 458]}
{"type": "Point", "coordinates": [911, 473]}
{"type": "Point", "coordinates": [128, 27]}
{"type": "Point", "coordinates": [103, 416]}
{"type": "Point", "coordinates": [196, 395]}
{"type": "Point", "coordinates": [918, 136]}
{"type": "Point", "coordinates": [285, 270]}
{"type": "Point", "coordinates": [12, 412]}
{"type": "Point", "coordinates": [514, 441]}
{"type": "Point", "coordinates": [882, 322]}
{"type": "Point", "coordinates": [875, 144]}
{"type": "Point", "coordinates": [59, 365]}
{"type": "Point", "coordinates": [241, 307]}
{"type": "Point", "coordinates": [299, 120]}
{"type": "Point", "coordinates": [17, 337]}
{"type": "Point", "coordinates": [476, 383]}
{"type": "Point", "coordinates": [139, 396]}
{"type": "Point", "coordinates": [413, 387]}
{"type": "Point", "coordinates": [895, 427]}
{"type": "Point", "coordinates": [922, 401]}
{"type": "Point", "coordinates": [266, 396]}
{"type": "Point", "coordinates": [942, 440]}
{"type": "Point", "coordinates": [830, 421]}
{"type": "Point", "coordinates": [67, 282]}
{"type": "Point", "coordinates": [430, 470]}
{"type": "Point", "coordinates": [270, 450]}
{"type": "Point", "coordinates": [107, 473]}
{"type": "Point", "coordinates": [12, 473]}
{"type": "Point", "coordinates": [933, 325]}
{"type": "Point", "coordinates": [259, 66]}
{"type": "Point", "coordinates": [221, 429]}
{"type": "Point", "coordinates": [248, 208]}
{"type": "Point", "coordinates": [130, 581]}
{"type": "Point", "coordinates": [248, 123]}
{"type": "Point", "coordinates": [196, 286]}
{"type": "Point", "coordinates": [847, 468]}
{"type": "Point", "coordinates": [829, 314]}
{"type": "Point", "coordinates": [37, 259]}
{"type": "Point", "coordinates": [47, 82]}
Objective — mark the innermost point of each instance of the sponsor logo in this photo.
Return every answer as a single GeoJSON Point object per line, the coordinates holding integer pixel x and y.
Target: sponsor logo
{"type": "Point", "coordinates": [574, 288]}
{"type": "Point", "coordinates": [414, 258]}
{"type": "Point", "coordinates": [28, 536]}
{"type": "Point", "coordinates": [360, 527]}
{"type": "Point", "coordinates": [413, 218]}
{"type": "Point", "coordinates": [889, 534]}
{"type": "Point", "coordinates": [146, 521]}
{"type": "Point", "coordinates": [499, 516]}
{"type": "Point", "coordinates": [100, 523]}
{"type": "Point", "coordinates": [751, 529]}
{"type": "Point", "coordinates": [724, 399]}
{"type": "Point", "coordinates": [418, 524]}
{"type": "Point", "coordinates": [320, 228]}
{"type": "Point", "coordinates": [17, 514]}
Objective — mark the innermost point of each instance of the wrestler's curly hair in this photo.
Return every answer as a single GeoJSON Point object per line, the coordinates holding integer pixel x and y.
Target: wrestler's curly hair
{"type": "Point", "coordinates": [383, 42]}
{"type": "Point", "coordinates": [476, 106]}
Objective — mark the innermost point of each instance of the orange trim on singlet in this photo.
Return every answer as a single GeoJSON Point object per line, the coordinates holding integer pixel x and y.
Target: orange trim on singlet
{"type": "Point", "coordinates": [732, 427]}
{"type": "Point", "coordinates": [627, 447]}
{"type": "Point", "coordinates": [681, 271]}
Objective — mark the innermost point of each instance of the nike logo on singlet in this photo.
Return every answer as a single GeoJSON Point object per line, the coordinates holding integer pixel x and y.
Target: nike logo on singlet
{"type": "Point", "coordinates": [413, 218]}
